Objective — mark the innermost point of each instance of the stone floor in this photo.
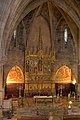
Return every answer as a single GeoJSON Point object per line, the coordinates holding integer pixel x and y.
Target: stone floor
{"type": "Point", "coordinates": [28, 109]}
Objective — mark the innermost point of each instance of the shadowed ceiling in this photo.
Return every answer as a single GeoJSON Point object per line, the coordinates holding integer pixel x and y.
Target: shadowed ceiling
{"type": "Point", "coordinates": [12, 13]}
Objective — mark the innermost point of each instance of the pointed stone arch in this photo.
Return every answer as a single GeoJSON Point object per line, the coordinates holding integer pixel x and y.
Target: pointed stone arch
{"type": "Point", "coordinates": [15, 75]}
{"type": "Point", "coordinates": [14, 82]}
{"type": "Point", "coordinates": [64, 81]}
{"type": "Point", "coordinates": [65, 75]}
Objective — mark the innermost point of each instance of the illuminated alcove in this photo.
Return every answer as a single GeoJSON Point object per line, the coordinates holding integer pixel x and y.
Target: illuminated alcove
{"type": "Point", "coordinates": [65, 81]}
{"type": "Point", "coordinates": [14, 82]}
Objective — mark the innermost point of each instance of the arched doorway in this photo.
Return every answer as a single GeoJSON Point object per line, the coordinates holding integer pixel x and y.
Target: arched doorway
{"type": "Point", "coordinates": [64, 81]}
{"type": "Point", "coordinates": [14, 83]}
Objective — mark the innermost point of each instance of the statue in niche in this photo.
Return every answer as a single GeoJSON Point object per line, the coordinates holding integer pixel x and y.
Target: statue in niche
{"type": "Point", "coordinates": [40, 65]}
{"type": "Point", "coordinates": [27, 67]}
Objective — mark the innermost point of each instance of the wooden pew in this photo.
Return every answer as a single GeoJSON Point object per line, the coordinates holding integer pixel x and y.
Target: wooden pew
{"type": "Point", "coordinates": [32, 118]}
{"type": "Point", "coordinates": [71, 117]}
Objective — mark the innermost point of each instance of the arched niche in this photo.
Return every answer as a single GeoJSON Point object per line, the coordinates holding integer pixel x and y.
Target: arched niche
{"type": "Point", "coordinates": [15, 75]}
{"type": "Point", "coordinates": [64, 81]}
{"type": "Point", "coordinates": [14, 82]}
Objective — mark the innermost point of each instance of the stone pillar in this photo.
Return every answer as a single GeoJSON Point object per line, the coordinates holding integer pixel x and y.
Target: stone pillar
{"type": "Point", "coordinates": [1, 85]}
{"type": "Point", "coordinates": [78, 85]}
{"type": "Point", "coordinates": [1, 89]}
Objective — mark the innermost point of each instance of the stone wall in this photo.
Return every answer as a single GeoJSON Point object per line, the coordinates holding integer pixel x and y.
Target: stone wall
{"type": "Point", "coordinates": [28, 36]}
{"type": "Point", "coordinates": [15, 57]}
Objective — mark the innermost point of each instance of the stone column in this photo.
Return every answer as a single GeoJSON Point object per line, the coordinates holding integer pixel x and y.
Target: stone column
{"type": "Point", "coordinates": [1, 85]}
{"type": "Point", "coordinates": [78, 83]}
{"type": "Point", "coordinates": [1, 89]}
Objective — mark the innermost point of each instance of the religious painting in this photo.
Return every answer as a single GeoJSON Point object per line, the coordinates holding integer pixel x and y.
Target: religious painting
{"type": "Point", "coordinates": [15, 75]}
{"type": "Point", "coordinates": [63, 75]}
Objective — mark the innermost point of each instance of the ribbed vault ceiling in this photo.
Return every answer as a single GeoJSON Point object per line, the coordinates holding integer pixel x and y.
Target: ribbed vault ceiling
{"type": "Point", "coordinates": [13, 11]}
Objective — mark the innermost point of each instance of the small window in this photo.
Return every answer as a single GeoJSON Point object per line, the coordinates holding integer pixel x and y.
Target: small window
{"type": "Point", "coordinates": [65, 35]}
{"type": "Point", "coordinates": [14, 35]}
{"type": "Point", "coordinates": [14, 38]}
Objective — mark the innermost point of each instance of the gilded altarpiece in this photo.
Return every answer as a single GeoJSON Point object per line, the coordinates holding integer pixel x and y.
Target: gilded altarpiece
{"type": "Point", "coordinates": [38, 74]}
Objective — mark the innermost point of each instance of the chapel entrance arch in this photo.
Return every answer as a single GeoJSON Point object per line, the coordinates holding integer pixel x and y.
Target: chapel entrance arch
{"type": "Point", "coordinates": [64, 81]}
{"type": "Point", "coordinates": [14, 82]}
